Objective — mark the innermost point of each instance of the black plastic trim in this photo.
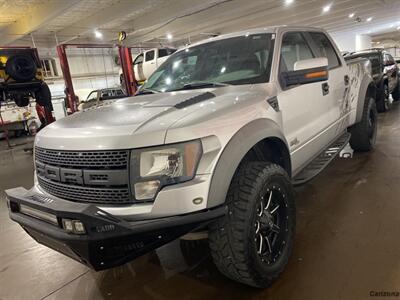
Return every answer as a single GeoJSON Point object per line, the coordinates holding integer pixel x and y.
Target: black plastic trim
{"type": "Point", "coordinates": [110, 240]}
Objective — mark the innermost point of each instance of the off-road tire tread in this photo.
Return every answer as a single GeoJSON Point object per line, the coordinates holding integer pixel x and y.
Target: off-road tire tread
{"type": "Point", "coordinates": [359, 140]}
{"type": "Point", "coordinates": [396, 92]}
{"type": "Point", "coordinates": [227, 237]}
{"type": "Point", "coordinates": [380, 101]}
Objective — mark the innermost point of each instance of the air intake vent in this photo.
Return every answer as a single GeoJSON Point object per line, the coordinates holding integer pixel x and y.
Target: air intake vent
{"type": "Point", "coordinates": [195, 100]}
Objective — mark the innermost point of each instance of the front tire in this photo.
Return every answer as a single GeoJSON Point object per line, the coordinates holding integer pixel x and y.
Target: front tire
{"type": "Point", "coordinates": [253, 242]}
{"type": "Point", "coordinates": [363, 134]}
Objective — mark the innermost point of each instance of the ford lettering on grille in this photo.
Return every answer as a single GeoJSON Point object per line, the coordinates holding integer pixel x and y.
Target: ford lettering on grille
{"type": "Point", "coordinates": [84, 176]}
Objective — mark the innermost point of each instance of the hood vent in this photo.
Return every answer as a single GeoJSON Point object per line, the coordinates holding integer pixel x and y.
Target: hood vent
{"type": "Point", "coordinates": [195, 100]}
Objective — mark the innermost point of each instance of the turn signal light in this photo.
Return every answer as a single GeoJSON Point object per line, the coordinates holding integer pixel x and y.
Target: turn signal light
{"type": "Point", "coordinates": [318, 74]}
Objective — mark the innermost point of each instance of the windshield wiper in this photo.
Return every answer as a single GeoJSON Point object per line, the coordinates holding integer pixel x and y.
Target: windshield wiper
{"type": "Point", "coordinates": [200, 85]}
{"type": "Point", "coordinates": [146, 92]}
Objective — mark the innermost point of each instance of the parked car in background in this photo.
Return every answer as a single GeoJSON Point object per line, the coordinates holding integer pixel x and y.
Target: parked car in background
{"type": "Point", "coordinates": [97, 97]}
{"type": "Point", "coordinates": [145, 63]}
{"type": "Point", "coordinates": [385, 73]}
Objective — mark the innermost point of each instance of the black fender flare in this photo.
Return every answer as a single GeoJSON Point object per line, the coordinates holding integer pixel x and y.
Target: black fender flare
{"type": "Point", "coordinates": [366, 84]}
{"type": "Point", "coordinates": [233, 153]}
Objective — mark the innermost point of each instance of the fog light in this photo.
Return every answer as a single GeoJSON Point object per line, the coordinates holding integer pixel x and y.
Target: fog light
{"type": "Point", "coordinates": [67, 225]}
{"type": "Point", "coordinates": [146, 190]}
{"type": "Point", "coordinates": [79, 228]}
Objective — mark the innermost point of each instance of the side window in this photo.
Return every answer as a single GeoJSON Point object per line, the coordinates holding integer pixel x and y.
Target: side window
{"type": "Point", "coordinates": [294, 48]}
{"type": "Point", "coordinates": [162, 52]}
{"type": "Point", "coordinates": [138, 60]}
{"type": "Point", "coordinates": [149, 55]}
{"type": "Point", "coordinates": [324, 48]}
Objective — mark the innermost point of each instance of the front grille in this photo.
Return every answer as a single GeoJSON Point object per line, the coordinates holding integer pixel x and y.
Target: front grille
{"type": "Point", "coordinates": [83, 159]}
{"type": "Point", "coordinates": [84, 176]}
{"type": "Point", "coordinates": [85, 194]}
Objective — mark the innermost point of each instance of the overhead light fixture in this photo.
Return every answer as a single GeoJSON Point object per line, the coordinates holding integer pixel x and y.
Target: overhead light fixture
{"type": "Point", "coordinates": [351, 15]}
{"type": "Point", "coordinates": [398, 28]}
{"type": "Point", "coordinates": [288, 2]}
{"type": "Point", "coordinates": [327, 8]}
{"type": "Point", "coordinates": [369, 19]}
{"type": "Point", "coordinates": [378, 43]}
{"type": "Point", "coordinates": [169, 36]}
{"type": "Point", "coordinates": [98, 34]}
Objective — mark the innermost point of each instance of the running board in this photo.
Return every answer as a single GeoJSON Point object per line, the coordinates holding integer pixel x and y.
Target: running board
{"type": "Point", "coordinates": [321, 161]}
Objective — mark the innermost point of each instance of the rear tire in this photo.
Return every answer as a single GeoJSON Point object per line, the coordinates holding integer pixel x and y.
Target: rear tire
{"type": "Point", "coordinates": [363, 134]}
{"type": "Point", "coordinates": [396, 92]}
{"type": "Point", "coordinates": [253, 242]}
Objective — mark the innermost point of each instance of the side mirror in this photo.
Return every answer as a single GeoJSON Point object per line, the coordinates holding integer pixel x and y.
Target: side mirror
{"type": "Point", "coordinates": [306, 71]}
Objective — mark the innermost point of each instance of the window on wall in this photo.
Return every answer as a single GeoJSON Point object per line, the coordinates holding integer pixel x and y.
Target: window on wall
{"type": "Point", "coordinates": [324, 48]}
{"type": "Point", "coordinates": [49, 68]}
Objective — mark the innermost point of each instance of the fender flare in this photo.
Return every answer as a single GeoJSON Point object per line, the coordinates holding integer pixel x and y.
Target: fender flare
{"type": "Point", "coordinates": [234, 152]}
{"type": "Point", "coordinates": [366, 83]}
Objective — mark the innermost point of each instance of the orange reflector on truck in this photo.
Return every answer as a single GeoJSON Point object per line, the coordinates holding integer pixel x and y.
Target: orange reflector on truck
{"type": "Point", "coordinates": [316, 74]}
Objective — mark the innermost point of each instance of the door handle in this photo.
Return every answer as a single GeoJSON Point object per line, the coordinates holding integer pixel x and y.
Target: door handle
{"type": "Point", "coordinates": [325, 89]}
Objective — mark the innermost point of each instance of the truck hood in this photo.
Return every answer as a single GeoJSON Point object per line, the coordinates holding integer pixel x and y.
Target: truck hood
{"type": "Point", "coordinates": [132, 122]}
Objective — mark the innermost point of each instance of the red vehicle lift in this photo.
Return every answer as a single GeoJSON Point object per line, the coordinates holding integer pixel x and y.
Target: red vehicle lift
{"type": "Point", "coordinates": [125, 57]}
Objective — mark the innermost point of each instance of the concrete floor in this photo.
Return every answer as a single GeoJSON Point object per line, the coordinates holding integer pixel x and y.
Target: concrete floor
{"type": "Point", "coordinates": [347, 243]}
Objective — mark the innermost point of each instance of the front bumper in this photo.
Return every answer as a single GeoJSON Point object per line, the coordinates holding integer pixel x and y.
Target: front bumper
{"type": "Point", "coordinates": [109, 241]}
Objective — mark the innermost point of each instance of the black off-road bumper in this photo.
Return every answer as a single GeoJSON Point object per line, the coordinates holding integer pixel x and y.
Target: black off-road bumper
{"type": "Point", "coordinates": [109, 241]}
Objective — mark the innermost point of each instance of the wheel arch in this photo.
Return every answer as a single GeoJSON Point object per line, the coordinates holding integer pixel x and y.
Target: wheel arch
{"type": "Point", "coordinates": [260, 140]}
{"type": "Point", "coordinates": [368, 89]}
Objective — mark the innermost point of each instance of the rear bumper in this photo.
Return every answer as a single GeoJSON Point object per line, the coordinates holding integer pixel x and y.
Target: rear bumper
{"type": "Point", "coordinates": [109, 241]}
{"type": "Point", "coordinates": [16, 86]}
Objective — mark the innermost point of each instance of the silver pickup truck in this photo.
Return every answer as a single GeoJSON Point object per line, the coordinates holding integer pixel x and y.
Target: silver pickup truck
{"type": "Point", "coordinates": [214, 141]}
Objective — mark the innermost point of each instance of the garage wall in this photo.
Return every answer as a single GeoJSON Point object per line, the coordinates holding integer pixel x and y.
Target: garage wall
{"type": "Point", "coordinates": [90, 69]}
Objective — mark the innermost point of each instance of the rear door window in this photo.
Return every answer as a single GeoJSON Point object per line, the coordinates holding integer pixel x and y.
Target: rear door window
{"type": "Point", "coordinates": [294, 48]}
{"type": "Point", "coordinates": [162, 52]}
{"type": "Point", "coordinates": [149, 55]}
{"type": "Point", "coordinates": [324, 48]}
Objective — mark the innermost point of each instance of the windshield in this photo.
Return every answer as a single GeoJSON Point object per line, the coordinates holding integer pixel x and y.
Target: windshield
{"type": "Point", "coordinates": [238, 60]}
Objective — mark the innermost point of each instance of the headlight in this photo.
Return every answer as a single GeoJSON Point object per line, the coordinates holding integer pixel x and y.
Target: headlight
{"type": "Point", "coordinates": [153, 168]}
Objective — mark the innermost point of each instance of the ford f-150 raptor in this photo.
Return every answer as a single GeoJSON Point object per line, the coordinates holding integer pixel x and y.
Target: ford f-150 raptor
{"type": "Point", "coordinates": [214, 140]}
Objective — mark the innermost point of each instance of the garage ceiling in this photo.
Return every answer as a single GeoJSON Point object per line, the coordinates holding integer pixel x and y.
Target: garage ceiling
{"type": "Point", "coordinates": [148, 21]}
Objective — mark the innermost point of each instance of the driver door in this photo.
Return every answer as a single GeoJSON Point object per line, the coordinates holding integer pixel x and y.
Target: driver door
{"type": "Point", "coordinates": [303, 106]}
